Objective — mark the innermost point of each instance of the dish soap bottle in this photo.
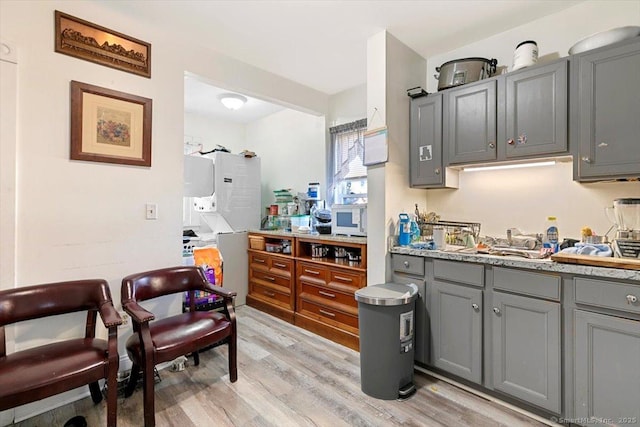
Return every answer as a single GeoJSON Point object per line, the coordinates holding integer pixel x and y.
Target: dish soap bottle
{"type": "Point", "coordinates": [551, 235]}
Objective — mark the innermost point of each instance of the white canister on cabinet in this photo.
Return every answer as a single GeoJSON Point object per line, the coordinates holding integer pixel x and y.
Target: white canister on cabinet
{"type": "Point", "coordinates": [526, 54]}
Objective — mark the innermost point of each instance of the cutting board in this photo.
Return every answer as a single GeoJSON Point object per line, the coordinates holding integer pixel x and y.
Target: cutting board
{"type": "Point", "coordinates": [597, 261]}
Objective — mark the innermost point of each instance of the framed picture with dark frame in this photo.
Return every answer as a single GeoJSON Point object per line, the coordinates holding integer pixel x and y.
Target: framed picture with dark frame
{"type": "Point", "coordinates": [110, 126]}
{"type": "Point", "coordinates": [85, 40]}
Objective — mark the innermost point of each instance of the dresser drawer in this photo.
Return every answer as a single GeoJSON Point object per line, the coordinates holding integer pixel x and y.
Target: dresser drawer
{"type": "Point", "coordinates": [328, 314]}
{"type": "Point", "coordinates": [273, 279]}
{"type": "Point", "coordinates": [408, 264]}
{"type": "Point", "coordinates": [527, 283]}
{"type": "Point", "coordinates": [259, 260]}
{"type": "Point", "coordinates": [603, 293]}
{"type": "Point", "coordinates": [328, 294]}
{"type": "Point", "coordinates": [281, 266]}
{"type": "Point", "coordinates": [270, 295]}
{"type": "Point", "coordinates": [312, 271]}
{"type": "Point", "coordinates": [459, 272]}
{"type": "Point", "coordinates": [345, 278]}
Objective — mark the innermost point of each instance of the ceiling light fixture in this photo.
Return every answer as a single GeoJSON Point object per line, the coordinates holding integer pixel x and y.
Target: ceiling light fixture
{"type": "Point", "coordinates": [232, 101]}
{"type": "Point", "coordinates": [514, 166]}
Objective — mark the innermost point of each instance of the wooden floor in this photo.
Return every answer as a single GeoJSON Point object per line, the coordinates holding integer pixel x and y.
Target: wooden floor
{"type": "Point", "coordinates": [287, 376]}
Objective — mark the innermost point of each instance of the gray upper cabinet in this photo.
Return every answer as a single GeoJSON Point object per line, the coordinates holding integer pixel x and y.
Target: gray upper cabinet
{"type": "Point", "coordinates": [456, 329]}
{"type": "Point", "coordinates": [425, 158]}
{"type": "Point", "coordinates": [533, 111]}
{"type": "Point", "coordinates": [607, 369]}
{"type": "Point", "coordinates": [526, 349]}
{"type": "Point", "coordinates": [605, 112]}
{"type": "Point", "coordinates": [470, 122]}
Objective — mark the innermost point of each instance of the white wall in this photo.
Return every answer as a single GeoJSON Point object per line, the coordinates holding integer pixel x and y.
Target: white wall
{"type": "Point", "coordinates": [524, 198]}
{"type": "Point", "coordinates": [210, 131]}
{"type": "Point", "coordinates": [84, 219]}
{"type": "Point", "coordinates": [347, 106]}
{"type": "Point", "coordinates": [291, 145]}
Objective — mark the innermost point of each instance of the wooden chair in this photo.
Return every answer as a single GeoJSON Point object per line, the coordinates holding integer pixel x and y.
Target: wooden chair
{"type": "Point", "coordinates": [43, 371]}
{"type": "Point", "coordinates": [163, 340]}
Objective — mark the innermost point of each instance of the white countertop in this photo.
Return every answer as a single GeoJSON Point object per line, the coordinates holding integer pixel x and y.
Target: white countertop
{"type": "Point", "coordinates": [526, 263]}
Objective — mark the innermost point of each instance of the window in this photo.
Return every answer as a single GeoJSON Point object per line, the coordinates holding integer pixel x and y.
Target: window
{"type": "Point", "coordinates": [348, 179]}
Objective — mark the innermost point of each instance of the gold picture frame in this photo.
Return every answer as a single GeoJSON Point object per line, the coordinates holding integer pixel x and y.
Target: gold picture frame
{"type": "Point", "coordinates": [110, 126]}
{"type": "Point", "coordinates": [85, 40]}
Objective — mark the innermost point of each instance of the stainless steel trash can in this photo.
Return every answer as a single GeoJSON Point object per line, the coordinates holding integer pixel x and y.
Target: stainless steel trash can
{"type": "Point", "coordinates": [386, 315]}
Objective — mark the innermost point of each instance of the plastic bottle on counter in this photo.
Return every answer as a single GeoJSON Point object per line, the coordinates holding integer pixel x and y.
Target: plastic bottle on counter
{"type": "Point", "coordinates": [551, 235]}
{"type": "Point", "coordinates": [415, 230]}
{"type": "Point", "coordinates": [404, 230]}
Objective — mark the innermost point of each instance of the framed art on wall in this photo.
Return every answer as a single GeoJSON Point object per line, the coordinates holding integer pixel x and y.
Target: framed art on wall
{"type": "Point", "coordinates": [85, 40]}
{"type": "Point", "coordinates": [110, 126]}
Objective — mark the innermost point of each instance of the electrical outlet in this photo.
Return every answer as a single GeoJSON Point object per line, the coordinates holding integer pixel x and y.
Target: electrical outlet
{"type": "Point", "coordinates": [125, 319]}
{"type": "Point", "coordinates": [152, 210]}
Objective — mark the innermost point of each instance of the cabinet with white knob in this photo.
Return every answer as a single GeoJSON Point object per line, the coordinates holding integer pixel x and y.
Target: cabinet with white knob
{"type": "Point", "coordinates": [605, 101]}
{"type": "Point", "coordinates": [606, 364]}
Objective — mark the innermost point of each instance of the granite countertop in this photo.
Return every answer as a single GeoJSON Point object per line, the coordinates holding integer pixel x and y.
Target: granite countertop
{"type": "Point", "coordinates": [326, 237]}
{"type": "Point", "coordinates": [526, 263]}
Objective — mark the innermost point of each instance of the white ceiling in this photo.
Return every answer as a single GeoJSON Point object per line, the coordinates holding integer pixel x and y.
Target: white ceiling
{"type": "Point", "coordinates": [322, 43]}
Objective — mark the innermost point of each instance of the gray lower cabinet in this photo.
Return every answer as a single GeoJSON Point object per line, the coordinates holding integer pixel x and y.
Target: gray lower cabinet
{"type": "Point", "coordinates": [607, 369]}
{"type": "Point", "coordinates": [605, 123]}
{"type": "Point", "coordinates": [425, 144]}
{"type": "Point", "coordinates": [456, 329]}
{"type": "Point", "coordinates": [526, 349]}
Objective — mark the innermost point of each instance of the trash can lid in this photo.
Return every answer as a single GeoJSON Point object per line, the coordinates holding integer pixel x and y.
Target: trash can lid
{"type": "Point", "coordinates": [387, 294]}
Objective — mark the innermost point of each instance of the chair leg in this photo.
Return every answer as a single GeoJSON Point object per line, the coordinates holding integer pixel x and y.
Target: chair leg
{"type": "Point", "coordinates": [196, 358]}
{"type": "Point", "coordinates": [133, 380]}
{"type": "Point", "coordinates": [149, 398]}
{"type": "Point", "coordinates": [233, 359]}
{"type": "Point", "coordinates": [96, 394]}
{"type": "Point", "coordinates": [112, 395]}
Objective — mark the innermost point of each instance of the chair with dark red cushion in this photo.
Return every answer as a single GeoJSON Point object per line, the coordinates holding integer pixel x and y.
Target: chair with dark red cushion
{"type": "Point", "coordinates": [45, 370]}
{"type": "Point", "coordinates": [163, 340]}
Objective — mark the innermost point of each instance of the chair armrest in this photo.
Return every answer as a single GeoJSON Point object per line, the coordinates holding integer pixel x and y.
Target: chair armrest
{"type": "Point", "coordinates": [137, 313]}
{"type": "Point", "coordinates": [110, 317]}
{"type": "Point", "coordinates": [218, 290]}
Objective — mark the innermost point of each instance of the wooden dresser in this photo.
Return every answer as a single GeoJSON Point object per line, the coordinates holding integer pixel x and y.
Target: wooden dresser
{"type": "Point", "coordinates": [314, 286]}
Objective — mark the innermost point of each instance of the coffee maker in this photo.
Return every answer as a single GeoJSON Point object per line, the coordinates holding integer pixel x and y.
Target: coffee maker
{"type": "Point", "coordinates": [625, 214]}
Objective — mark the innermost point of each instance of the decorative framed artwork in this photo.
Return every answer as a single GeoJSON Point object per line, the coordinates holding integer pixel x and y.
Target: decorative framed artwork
{"type": "Point", "coordinates": [110, 126]}
{"type": "Point", "coordinates": [91, 42]}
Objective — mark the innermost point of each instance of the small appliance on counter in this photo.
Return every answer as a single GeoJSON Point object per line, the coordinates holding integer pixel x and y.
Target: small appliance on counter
{"type": "Point", "coordinates": [350, 220]}
{"type": "Point", "coordinates": [461, 71]}
{"type": "Point", "coordinates": [625, 214]}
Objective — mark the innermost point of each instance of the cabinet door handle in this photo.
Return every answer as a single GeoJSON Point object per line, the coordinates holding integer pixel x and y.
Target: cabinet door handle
{"type": "Point", "coordinates": [277, 264]}
{"type": "Point", "coordinates": [326, 313]}
{"type": "Point", "coordinates": [406, 264]}
{"type": "Point", "coordinates": [269, 294]}
{"type": "Point", "coordinates": [496, 310]}
{"type": "Point", "coordinates": [269, 278]}
{"type": "Point", "coordinates": [586, 159]}
{"type": "Point", "coordinates": [437, 171]}
{"type": "Point", "coordinates": [632, 299]}
{"type": "Point", "coordinates": [344, 279]}
{"type": "Point", "coordinates": [311, 271]}
{"type": "Point", "coordinates": [492, 145]}
{"type": "Point", "coordinates": [327, 294]}
{"type": "Point", "coordinates": [475, 306]}
{"type": "Point", "coordinates": [510, 141]}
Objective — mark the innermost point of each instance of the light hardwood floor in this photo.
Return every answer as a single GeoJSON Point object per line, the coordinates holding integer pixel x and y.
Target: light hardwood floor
{"type": "Point", "coordinates": [287, 376]}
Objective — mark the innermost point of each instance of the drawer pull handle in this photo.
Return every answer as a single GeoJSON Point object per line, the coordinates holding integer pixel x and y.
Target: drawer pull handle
{"type": "Point", "coordinates": [475, 306]}
{"type": "Point", "coordinates": [327, 294]}
{"type": "Point", "coordinates": [269, 278]}
{"type": "Point", "coordinates": [311, 271]}
{"type": "Point", "coordinates": [344, 279]}
{"type": "Point", "coordinates": [261, 261]}
{"type": "Point", "coordinates": [269, 294]}
{"type": "Point", "coordinates": [632, 299]}
{"type": "Point", "coordinates": [496, 310]}
{"type": "Point", "coordinates": [326, 313]}
{"type": "Point", "coordinates": [277, 264]}
{"type": "Point", "coordinates": [406, 264]}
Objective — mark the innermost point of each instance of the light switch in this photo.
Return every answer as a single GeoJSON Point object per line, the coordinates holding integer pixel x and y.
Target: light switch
{"type": "Point", "coordinates": [152, 211]}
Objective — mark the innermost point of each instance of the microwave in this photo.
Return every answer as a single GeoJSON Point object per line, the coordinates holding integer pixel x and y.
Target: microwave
{"type": "Point", "coordinates": [349, 219]}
